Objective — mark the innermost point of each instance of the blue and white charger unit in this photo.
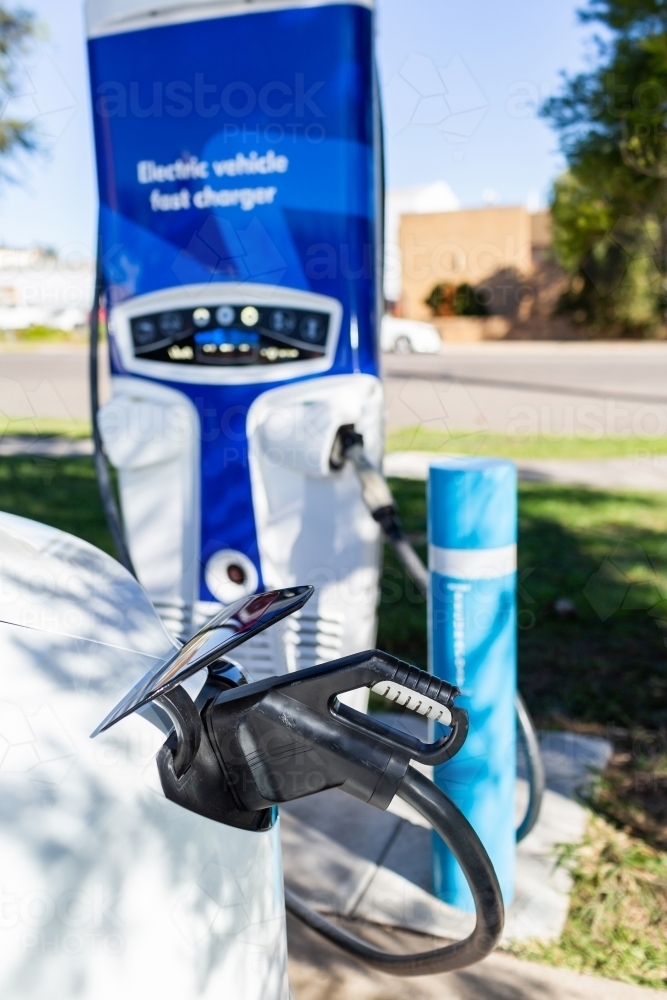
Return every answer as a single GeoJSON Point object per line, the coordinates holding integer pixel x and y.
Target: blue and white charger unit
{"type": "Point", "coordinates": [238, 156]}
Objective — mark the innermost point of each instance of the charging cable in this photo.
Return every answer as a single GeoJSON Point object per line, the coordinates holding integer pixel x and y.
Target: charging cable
{"type": "Point", "coordinates": [102, 470]}
{"type": "Point", "coordinates": [349, 446]}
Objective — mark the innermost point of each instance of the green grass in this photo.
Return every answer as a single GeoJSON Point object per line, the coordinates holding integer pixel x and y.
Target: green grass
{"type": "Point", "coordinates": [43, 427]}
{"type": "Point", "coordinates": [519, 446]}
{"type": "Point", "coordinates": [44, 334]}
{"type": "Point", "coordinates": [632, 792]}
{"type": "Point", "coordinates": [62, 493]}
{"type": "Point", "coordinates": [605, 552]}
{"type": "Point", "coordinates": [416, 439]}
{"type": "Point", "coordinates": [602, 670]}
{"type": "Point", "coordinates": [618, 910]}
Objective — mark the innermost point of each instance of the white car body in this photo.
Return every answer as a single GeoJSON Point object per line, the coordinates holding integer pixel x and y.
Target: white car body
{"type": "Point", "coordinates": [110, 890]}
{"type": "Point", "coordinates": [407, 336]}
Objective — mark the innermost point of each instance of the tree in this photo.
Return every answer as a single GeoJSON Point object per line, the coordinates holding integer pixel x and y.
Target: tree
{"type": "Point", "coordinates": [610, 210]}
{"type": "Point", "coordinates": [16, 29]}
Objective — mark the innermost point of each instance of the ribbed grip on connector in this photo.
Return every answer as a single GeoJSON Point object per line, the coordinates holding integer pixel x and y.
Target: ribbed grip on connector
{"type": "Point", "coordinates": [413, 701]}
{"type": "Point", "coordinates": [419, 692]}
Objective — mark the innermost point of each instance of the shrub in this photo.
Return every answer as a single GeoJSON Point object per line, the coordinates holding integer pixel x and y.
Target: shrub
{"type": "Point", "coordinates": [446, 299]}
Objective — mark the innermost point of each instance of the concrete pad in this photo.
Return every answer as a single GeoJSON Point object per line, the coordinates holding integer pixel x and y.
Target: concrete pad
{"type": "Point", "coordinates": [326, 875]}
{"type": "Point", "coordinates": [337, 814]}
{"type": "Point", "coordinates": [320, 971]}
{"type": "Point", "coordinates": [641, 472]}
{"type": "Point", "coordinates": [542, 890]}
{"type": "Point", "coordinates": [572, 761]}
{"type": "Point", "coordinates": [394, 889]}
{"type": "Point", "coordinates": [637, 473]}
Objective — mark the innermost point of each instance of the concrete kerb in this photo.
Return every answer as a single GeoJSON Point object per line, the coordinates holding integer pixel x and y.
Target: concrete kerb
{"type": "Point", "coordinates": [604, 474]}
{"type": "Point", "coordinates": [45, 447]}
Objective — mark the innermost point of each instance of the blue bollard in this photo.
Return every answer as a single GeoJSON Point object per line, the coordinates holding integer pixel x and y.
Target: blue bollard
{"type": "Point", "coordinates": [472, 531]}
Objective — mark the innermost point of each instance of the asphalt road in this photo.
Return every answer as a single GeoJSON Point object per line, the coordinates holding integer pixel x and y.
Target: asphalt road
{"type": "Point", "coordinates": [47, 382]}
{"type": "Point", "coordinates": [565, 389]}
{"type": "Point", "coordinates": [515, 387]}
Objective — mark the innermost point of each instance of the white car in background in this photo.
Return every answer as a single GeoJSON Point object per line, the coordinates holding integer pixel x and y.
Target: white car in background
{"type": "Point", "coordinates": [408, 336]}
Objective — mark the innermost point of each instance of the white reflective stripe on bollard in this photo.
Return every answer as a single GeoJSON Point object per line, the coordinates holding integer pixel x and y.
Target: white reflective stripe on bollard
{"type": "Point", "coordinates": [472, 564]}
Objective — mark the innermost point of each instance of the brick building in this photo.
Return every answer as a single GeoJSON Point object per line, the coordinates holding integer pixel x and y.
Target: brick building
{"type": "Point", "coordinates": [504, 253]}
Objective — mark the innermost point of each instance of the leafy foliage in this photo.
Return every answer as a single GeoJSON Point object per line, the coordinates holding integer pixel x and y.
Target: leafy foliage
{"type": "Point", "coordinates": [17, 28]}
{"type": "Point", "coordinates": [456, 300]}
{"type": "Point", "coordinates": [610, 209]}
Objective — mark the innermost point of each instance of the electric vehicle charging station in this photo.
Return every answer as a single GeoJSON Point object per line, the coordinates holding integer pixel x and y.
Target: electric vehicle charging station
{"type": "Point", "coordinates": [239, 167]}
{"type": "Point", "coordinates": [239, 263]}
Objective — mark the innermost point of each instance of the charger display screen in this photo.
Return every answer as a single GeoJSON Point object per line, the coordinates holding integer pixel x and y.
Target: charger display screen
{"type": "Point", "coordinates": [231, 334]}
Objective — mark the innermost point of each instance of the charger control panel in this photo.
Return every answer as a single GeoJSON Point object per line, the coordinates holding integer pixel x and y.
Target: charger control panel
{"type": "Point", "coordinates": [227, 333]}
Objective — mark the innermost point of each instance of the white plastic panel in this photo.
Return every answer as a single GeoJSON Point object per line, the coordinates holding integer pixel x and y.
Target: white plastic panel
{"type": "Point", "coordinates": [151, 435]}
{"type": "Point", "coordinates": [312, 523]}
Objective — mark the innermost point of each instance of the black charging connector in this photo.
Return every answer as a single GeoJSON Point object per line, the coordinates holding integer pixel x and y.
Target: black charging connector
{"type": "Point", "coordinates": [290, 736]}
{"type": "Point", "coordinates": [349, 446]}
{"type": "Point", "coordinates": [240, 751]}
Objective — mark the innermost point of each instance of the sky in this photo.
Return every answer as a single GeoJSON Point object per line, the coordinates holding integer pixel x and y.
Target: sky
{"type": "Point", "coordinates": [460, 84]}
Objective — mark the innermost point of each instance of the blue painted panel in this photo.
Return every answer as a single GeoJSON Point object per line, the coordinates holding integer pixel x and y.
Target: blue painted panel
{"type": "Point", "coordinates": [474, 503]}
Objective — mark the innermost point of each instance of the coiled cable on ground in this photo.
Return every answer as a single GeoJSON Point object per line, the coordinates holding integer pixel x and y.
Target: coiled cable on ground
{"type": "Point", "coordinates": [450, 824]}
